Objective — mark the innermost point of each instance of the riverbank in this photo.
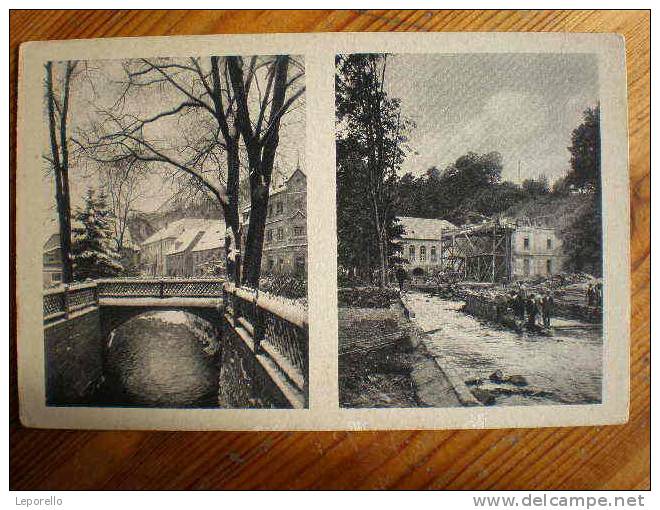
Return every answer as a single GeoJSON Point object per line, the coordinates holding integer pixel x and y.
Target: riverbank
{"type": "Point", "coordinates": [375, 359]}
{"type": "Point", "coordinates": [385, 361]}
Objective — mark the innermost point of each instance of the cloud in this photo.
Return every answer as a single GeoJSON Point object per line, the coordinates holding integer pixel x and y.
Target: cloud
{"type": "Point", "coordinates": [523, 106]}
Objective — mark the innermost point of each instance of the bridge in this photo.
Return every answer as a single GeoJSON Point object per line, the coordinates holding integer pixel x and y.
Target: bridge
{"type": "Point", "coordinates": [268, 335]}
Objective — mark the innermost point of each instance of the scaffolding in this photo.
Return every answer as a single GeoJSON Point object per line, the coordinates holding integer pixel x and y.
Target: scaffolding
{"type": "Point", "coordinates": [480, 253]}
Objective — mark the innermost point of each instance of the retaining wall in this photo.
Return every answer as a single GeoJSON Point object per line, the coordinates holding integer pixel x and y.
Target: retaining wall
{"type": "Point", "coordinates": [74, 358]}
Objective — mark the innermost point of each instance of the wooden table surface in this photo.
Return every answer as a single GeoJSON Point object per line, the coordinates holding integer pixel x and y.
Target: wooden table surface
{"type": "Point", "coordinates": [613, 457]}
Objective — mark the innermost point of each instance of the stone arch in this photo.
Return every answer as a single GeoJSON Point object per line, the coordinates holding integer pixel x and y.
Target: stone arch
{"type": "Point", "coordinates": [114, 316]}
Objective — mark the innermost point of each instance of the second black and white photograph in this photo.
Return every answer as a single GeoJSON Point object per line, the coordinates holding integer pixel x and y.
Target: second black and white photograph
{"type": "Point", "coordinates": [469, 230]}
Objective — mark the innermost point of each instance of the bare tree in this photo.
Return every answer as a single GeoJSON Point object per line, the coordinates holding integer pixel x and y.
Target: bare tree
{"type": "Point", "coordinates": [215, 102]}
{"type": "Point", "coordinates": [57, 102]}
{"type": "Point", "coordinates": [122, 183]}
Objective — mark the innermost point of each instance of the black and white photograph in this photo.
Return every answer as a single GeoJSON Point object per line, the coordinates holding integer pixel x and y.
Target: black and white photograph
{"type": "Point", "coordinates": [175, 232]}
{"type": "Point", "coordinates": [469, 229]}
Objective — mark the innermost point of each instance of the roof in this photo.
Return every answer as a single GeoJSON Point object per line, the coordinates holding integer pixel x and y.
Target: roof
{"type": "Point", "coordinates": [52, 242]}
{"type": "Point", "coordinates": [423, 228]}
{"type": "Point", "coordinates": [212, 238]}
{"type": "Point", "coordinates": [185, 241]}
{"type": "Point", "coordinates": [175, 229]}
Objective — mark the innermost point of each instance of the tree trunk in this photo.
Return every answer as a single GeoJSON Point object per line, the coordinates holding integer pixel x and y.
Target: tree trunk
{"type": "Point", "coordinates": [234, 239]}
{"type": "Point", "coordinates": [255, 237]}
{"type": "Point", "coordinates": [60, 168]}
{"type": "Point", "coordinates": [261, 156]}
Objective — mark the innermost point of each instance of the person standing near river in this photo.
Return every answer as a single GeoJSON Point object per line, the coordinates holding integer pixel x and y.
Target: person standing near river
{"type": "Point", "coordinates": [532, 310]}
{"type": "Point", "coordinates": [518, 306]}
{"type": "Point", "coordinates": [547, 304]}
{"type": "Point", "coordinates": [401, 277]}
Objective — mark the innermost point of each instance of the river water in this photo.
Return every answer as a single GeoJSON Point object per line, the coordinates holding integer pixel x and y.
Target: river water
{"type": "Point", "coordinates": [162, 359]}
{"type": "Point", "coordinates": [565, 368]}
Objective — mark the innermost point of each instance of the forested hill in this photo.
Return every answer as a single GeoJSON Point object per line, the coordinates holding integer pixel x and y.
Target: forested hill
{"type": "Point", "coordinates": [552, 209]}
{"type": "Point", "coordinates": [471, 189]}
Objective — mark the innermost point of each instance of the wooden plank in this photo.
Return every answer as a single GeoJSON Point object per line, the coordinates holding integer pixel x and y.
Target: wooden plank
{"type": "Point", "coordinates": [615, 457]}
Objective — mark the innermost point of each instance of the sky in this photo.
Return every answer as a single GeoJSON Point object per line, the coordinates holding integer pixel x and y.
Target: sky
{"type": "Point", "coordinates": [99, 88]}
{"type": "Point", "coordinates": [524, 106]}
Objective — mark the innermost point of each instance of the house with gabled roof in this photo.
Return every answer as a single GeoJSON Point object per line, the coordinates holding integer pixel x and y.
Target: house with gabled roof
{"type": "Point", "coordinates": [421, 243]}
{"type": "Point", "coordinates": [52, 261]}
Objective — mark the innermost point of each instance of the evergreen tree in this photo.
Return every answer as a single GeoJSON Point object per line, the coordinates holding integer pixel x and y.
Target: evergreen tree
{"type": "Point", "coordinates": [583, 238]}
{"type": "Point", "coordinates": [94, 247]}
{"type": "Point", "coordinates": [371, 145]}
{"type": "Point", "coordinates": [585, 152]}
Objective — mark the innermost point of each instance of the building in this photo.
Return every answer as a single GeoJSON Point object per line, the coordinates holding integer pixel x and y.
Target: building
{"type": "Point", "coordinates": [52, 261]}
{"type": "Point", "coordinates": [171, 250]}
{"type": "Point", "coordinates": [536, 251]}
{"type": "Point", "coordinates": [285, 233]}
{"type": "Point", "coordinates": [178, 261]}
{"type": "Point", "coordinates": [208, 254]}
{"type": "Point", "coordinates": [502, 249]}
{"type": "Point", "coordinates": [421, 243]}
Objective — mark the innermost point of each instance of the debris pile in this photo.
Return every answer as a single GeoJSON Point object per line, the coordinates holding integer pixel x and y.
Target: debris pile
{"type": "Point", "coordinates": [576, 295]}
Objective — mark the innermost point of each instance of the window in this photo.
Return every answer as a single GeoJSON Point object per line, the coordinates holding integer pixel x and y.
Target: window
{"type": "Point", "coordinates": [271, 264]}
{"type": "Point", "coordinates": [280, 234]}
{"type": "Point", "coordinates": [298, 231]}
{"type": "Point", "coordinates": [422, 253]}
{"type": "Point", "coordinates": [526, 243]}
{"type": "Point", "coordinates": [270, 210]}
{"type": "Point", "coordinates": [411, 252]}
{"type": "Point", "coordinates": [434, 255]}
{"type": "Point", "coordinates": [280, 207]}
{"type": "Point", "coordinates": [269, 235]}
{"type": "Point", "coordinates": [56, 277]}
{"type": "Point", "coordinates": [526, 267]}
{"type": "Point", "coordinates": [548, 266]}
{"type": "Point", "coordinates": [549, 243]}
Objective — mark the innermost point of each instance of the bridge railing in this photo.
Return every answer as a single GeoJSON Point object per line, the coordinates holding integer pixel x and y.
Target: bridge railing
{"type": "Point", "coordinates": [62, 300]}
{"type": "Point", "coordinates": [160, 287]}
{"type": "Point", "coordinates": [275, 328]}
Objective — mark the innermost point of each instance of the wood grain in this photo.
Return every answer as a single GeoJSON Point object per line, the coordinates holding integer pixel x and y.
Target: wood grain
{"type": "Point", "coordinates": [616, 457]}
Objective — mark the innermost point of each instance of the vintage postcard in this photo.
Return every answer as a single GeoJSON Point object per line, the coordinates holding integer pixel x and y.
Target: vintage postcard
{"type": "Point", "coordinates": [323, 232]}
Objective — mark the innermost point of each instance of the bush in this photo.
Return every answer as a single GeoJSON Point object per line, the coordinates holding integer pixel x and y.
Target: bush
{"type": "Point", "coordinates": [367, 297]}
{"type": "Point", "coordinates": [344, 279]}
{"type": "Point", "coordinates": [286, 285]}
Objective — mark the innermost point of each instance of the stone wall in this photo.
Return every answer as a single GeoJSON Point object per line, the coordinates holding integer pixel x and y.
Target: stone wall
{"type": "Point", "coordinates": [74, 358]}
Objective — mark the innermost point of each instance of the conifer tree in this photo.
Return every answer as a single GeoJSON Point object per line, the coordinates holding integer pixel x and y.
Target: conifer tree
{"type": "Point", "coordinates": [94, 248]}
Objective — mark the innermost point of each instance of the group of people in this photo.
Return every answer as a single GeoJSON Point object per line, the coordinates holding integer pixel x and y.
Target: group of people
{"type": "Point", "coordinates": [527, 307]}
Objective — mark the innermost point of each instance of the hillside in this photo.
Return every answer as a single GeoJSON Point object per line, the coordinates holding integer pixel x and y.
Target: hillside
{"type": "Point", "coordinates": [550, 210]}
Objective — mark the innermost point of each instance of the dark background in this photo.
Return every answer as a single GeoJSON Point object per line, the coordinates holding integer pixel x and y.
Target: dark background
{"type": "Point", "coordinates": [605, 457]}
